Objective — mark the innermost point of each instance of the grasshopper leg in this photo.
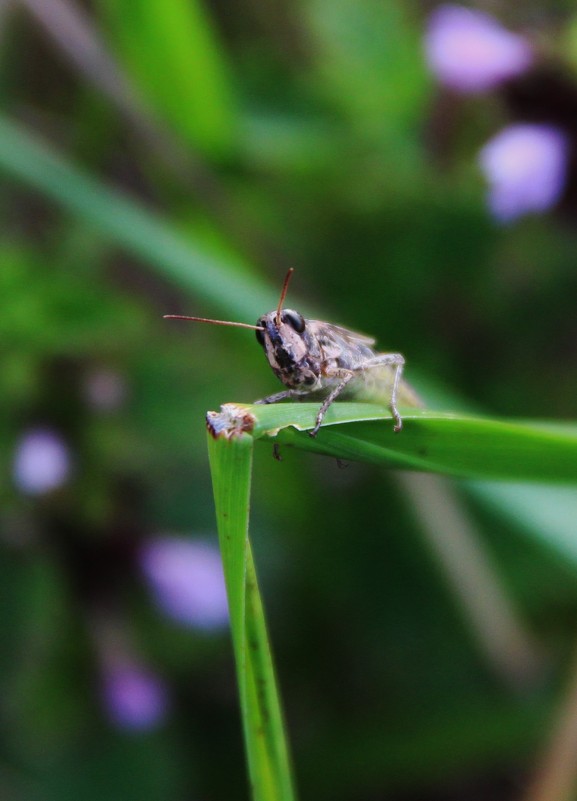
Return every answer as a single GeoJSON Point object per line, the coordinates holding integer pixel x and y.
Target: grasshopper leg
{"type": "Point", "coordinates": [346, 376]}
{"type": "Point", "coordinates": [396, 361]}
{"type": "Point", "coordinates": [278, 396]}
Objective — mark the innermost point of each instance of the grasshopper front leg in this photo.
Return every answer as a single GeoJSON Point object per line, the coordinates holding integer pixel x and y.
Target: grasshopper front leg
{"type": "Point", "coordinates": [278, 396]}
{"type": "Point", "coordinates": [346, 376]}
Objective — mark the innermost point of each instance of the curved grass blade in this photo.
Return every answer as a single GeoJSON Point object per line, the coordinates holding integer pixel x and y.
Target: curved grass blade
{"type": "Point", "coordinates": [267, 751]}
{"type": "Point", "coordinates": [451, 444]}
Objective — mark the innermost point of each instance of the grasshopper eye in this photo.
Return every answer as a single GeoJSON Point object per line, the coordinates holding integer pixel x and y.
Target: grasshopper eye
{"type": "Point", "coordinates": [294, 319]}
{"type": "Point", "coordinates": [260, 332]}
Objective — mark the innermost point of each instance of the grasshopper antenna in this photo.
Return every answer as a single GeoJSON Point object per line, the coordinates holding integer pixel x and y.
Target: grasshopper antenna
{"type": "Point", "coordinates": [283, 294]}
{"type": "Point", "coordinates": [214, 322]}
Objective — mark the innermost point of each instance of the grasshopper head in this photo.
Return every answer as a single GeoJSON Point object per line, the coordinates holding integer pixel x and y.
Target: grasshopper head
{"type": "Point", "coordinates": [287, 345]}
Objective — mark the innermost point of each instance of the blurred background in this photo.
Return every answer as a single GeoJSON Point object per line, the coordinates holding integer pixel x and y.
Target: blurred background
{"type": "Point", "coordinates": [415, 164]}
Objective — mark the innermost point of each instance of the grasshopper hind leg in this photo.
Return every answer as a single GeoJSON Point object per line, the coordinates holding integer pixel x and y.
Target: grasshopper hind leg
{"type": "Point", "coordinates": [393, 360]}
{"type": "Point", "coordinates": [397, 362]}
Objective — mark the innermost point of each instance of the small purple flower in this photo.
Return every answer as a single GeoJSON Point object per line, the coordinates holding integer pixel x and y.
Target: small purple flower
{"type": "Point", "coordinates": [469, 51]}
{"type": "Point", "coordinates": [134, 698]}
{"type": "Point", "coordinates": [186, 579]}
{"type": "Point", "coordinates": [526, 167]}
{"type": "Point", "coordinates": [41, 462]}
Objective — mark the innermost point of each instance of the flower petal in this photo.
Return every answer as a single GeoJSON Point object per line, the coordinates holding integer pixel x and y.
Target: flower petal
{"type": "Point", "coordinates": [526, 167]}
{"type": "Point", "coordinates": [134, 698]}
{"type": "Point", "coordinates": [41, 462]}
{"type": "Point", "coordinates": [469, 51]}
{"type": "Point", "coordinates": [187, 581]}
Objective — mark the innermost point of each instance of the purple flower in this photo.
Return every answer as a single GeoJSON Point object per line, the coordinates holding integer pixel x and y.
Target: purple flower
{"type": "Point", "coordinates": [41, 462]}
{"type": "Point", "coordinates": [134, 698]}
{"type": "Point", "coordinates": [186, 579]}
{"type": "Point", "coordinates": [526, 167]}
{"type": "Point", "coordinates": [469, 51]}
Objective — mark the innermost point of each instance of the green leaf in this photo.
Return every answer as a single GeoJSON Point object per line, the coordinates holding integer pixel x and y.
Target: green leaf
{"type": "Point", "coordinates": [170, 48]}
{"type": "Point", "coordinates": [546, 513]}
{"type": "Point", "coordinates": [267, 751]}
{"type": "Point", "coordinates": [370, 59]}
{"type": "Point", "coordinates": [185, 260]}
{"type": "Point", "coordinates": [453, 444]}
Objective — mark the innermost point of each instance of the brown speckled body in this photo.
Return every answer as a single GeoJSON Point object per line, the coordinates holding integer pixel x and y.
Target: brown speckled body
{"type": "Point", "coordinates": [315, 358]}
{"type": "Point", "coordinates": [311, 356]}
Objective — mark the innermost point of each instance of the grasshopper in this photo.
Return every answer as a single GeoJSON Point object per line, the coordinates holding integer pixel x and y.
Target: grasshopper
{"type": "Point", "coordinates": [317, 359]}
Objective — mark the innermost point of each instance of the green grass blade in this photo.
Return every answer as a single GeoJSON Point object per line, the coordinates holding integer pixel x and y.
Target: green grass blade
{"type": "Point", "coordinates": [232, 500]}
{"type": "Point", "coordinates": [172, 51]}
{"type": "Point", "coordinates": [452, 444]}
{"type": "Point", "coordinates": [229, 288]}
{"type": "Point", "coordinates": [264, 681]}
{"type": "Point", "coordinates": [267, 751]}
{"type": "Point", "coordinates": [547, 513]}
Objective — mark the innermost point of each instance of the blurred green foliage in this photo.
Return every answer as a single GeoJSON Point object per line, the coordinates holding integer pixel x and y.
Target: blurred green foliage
{"type": "Point", "coordinates": [176, 157]}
